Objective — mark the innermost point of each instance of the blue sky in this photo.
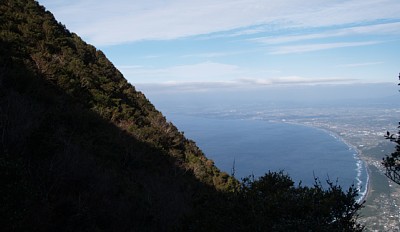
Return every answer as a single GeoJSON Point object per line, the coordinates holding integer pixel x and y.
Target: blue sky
{"type": "Point", "coordinates": [206, 44]}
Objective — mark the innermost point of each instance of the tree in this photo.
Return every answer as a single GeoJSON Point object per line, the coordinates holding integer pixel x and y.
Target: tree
{"type": "Point", "coordinates": [273, 203]}
{"type": "Point", "coordinates": [392, 161]}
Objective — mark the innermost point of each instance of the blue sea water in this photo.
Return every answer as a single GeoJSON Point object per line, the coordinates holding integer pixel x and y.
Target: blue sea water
{"type": "Point", "coordinates": [256, 147]}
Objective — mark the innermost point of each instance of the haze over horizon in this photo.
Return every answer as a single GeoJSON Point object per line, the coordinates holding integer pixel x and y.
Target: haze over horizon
{"type": "Point", "coordinates": [192, 45]}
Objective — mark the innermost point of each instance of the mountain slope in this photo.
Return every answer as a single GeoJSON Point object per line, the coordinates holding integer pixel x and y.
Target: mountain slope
{"type": "Point", "coordinates": [81, 149]}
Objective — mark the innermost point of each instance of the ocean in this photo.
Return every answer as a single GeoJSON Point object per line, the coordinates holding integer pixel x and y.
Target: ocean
{"type": "Point", "coordinates": [254, 147]}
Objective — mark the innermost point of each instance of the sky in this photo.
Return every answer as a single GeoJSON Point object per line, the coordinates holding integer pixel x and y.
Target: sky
{"type": "Point", "coordinates": [206, 44]}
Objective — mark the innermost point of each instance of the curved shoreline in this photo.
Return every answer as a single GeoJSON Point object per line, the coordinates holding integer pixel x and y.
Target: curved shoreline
{"type": "Point", "coordinates": [358, 157]}
{"type": "Point", "coordinates": [358, 177]}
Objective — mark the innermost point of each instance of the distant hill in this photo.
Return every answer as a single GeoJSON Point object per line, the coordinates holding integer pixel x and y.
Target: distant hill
{"type": "Point", "coordinates": [82, 150]}
{"type": "Point", "coordinates": [80, 146]}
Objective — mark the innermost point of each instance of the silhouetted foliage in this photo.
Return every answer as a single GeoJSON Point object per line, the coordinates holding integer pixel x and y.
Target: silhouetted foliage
{"type": "Point", "coordinates": [82, 150]}
{"type": "Point", "coordinates": [392, 161]}
{"type": "Point", "coordinates": [273, 203]}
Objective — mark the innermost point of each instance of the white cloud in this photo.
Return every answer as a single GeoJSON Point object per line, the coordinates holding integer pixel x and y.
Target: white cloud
{"type": "Point", "coordinates": [317, 47]}
{"type": "Point", "coordinates": [210, 75]}
{"type": "Point", "coordinates": [112, 22]}
{"type": "Point", "coordinates": [217, 54]}
{"type": "Point", "coordinates": [206, 71]}
{"type": "Point", "coordinates": [379, 29]}
{"type": "Point", "coordinates": [187, 86]}
{"type": "Point", "coordinates": [193, 73]}
{"type": "Point", "coordinates": [243, 83]}
{"type": "Point", "coordinates": [360, 64]}
{"type": "Point", "coordinates": [294, 80]}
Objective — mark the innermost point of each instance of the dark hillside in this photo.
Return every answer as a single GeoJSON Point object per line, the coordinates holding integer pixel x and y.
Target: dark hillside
{"type": "Point", "coordinates": [61, 58]}
{"type": "Point", "coordinates": [81, 149]}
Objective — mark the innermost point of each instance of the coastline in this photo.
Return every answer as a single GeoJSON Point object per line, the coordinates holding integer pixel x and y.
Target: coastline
{"type": "Point", "coordinates": [361, 179]}
{"type": "Point", "coordinates": [363, 195]}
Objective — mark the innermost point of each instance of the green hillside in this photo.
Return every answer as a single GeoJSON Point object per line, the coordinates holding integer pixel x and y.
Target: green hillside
{"type": "Point", "coordinates": [82, 150]}
{"type": "Point", "coordinates": [75, 132]}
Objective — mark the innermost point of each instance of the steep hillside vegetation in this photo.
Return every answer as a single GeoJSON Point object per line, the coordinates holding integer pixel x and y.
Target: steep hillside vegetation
{"type": "Point", "coordinates": [79, 143]}
{"type": "Point", "coordinates": [82, 150]}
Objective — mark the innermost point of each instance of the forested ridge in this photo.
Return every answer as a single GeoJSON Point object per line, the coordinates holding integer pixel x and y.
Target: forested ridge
{"type": "Point", "coordinates": [82, 150]}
